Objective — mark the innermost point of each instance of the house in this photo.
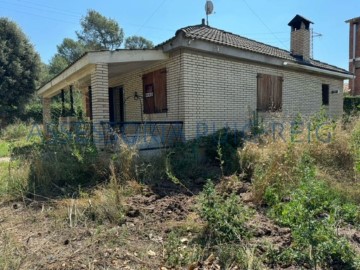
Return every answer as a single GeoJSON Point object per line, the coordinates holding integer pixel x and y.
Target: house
{"type": "Point", "coordinates": [201, 79]}
{"type": "Point", "coordinates": [354, 55]}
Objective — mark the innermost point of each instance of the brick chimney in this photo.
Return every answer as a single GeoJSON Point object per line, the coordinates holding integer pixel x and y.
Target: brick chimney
{"type": "Point", "coordinates": [354, 55]}
{"type": "Point", "coordinates": [300, 37]}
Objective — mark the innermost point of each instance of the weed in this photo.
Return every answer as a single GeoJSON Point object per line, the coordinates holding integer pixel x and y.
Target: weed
{"type": "Point", "coordinates": [225, 217]}
{"type": "Point", "coordinates": [313, 214]}
{"type": "Point", "coordinates": [179, 252]}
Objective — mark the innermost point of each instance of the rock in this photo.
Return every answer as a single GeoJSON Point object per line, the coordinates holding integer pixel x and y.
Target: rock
{"type": "Point", "coordinates": [151, 253]}
{"type": "Point", "coordinates": [184, 240]}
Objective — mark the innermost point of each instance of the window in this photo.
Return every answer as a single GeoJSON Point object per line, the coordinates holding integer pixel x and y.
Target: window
{"type": "Point", "coordinates": [155, 96]}
{"type": "Point", "coordinates": [325, 94]}
{"type": "Point", "coordinates": [269, 93]}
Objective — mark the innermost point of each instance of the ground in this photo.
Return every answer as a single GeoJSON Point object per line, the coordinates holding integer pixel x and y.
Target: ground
{"type": "Point", "coordinates": [40, 235]}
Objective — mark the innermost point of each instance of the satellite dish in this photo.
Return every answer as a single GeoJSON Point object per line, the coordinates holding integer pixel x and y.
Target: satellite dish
{"type": "Point", "coordinates": [209, 7]}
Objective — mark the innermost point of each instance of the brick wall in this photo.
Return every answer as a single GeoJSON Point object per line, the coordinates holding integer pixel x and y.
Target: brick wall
{"type": "Point", "coordinates": [100, 101]}
{"type": "Point", "coordinates": [218, 91]}
{"type": "Point", "coordinates": [300, 42]}
{"type": "Point", "coordinates": [132, 82]}
{"type": "Point", "coordinates": [222, 91]}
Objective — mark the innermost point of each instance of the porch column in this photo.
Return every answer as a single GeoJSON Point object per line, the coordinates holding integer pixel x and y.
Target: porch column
{"type": "Point", "coordinates": [46, 102]}
{"type": "Point", "coordinates": [100, 102]}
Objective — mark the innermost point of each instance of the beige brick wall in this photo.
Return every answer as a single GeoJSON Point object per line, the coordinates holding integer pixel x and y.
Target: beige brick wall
{"type": "Point", "coordinates": [132, 82]}
{"type": "Point", "coordinates": [46, 102]}
{"type": "Point", "coordinates": [219, 91]}
{"type": "Point", "coordinates": [100, 101]}
{"type": "Point", "coordinates": [222, 92]}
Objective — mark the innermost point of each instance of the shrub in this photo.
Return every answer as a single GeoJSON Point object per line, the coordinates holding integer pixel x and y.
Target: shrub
{"type": "Point", "coordinates": [351, 104]}
{"type": "Point", "coordinates": [61, 165]}
{"type": "Point", "coordinates": [225, 217]}
{"type": "Point", "coordinates": [313, 214]}
{"type": "Point", "coordinates": [17, 130]}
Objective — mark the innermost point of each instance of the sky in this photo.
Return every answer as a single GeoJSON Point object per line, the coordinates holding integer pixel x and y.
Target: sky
{"type": "Point", "coordinates": [47, 22]}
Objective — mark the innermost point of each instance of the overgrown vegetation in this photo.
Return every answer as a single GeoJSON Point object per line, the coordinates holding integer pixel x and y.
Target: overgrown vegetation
{"type": "Point", "coordinates": [301, 184]}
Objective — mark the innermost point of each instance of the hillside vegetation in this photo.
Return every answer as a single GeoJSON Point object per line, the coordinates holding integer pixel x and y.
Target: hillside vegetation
{"type": "Point", "coordinates": [263, 200]}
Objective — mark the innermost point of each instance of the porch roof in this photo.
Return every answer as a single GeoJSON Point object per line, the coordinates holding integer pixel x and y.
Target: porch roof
{"type": "Point", "coordinates": [119, 61]}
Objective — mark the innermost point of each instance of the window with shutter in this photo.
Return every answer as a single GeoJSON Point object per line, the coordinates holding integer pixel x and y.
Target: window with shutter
{"type": "Point", "coordinates": [269, 92]}
{"type": "Point", "coordinates": [155, 93]}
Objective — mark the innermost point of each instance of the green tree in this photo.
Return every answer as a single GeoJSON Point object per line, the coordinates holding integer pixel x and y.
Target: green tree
{"type": "Point", "coordinates": [137, 42]}
{"type": "Point", "coordinates": [19, 70]}
{"type": "Point", "coordinates": [70, 49]}
{"type": "Point", "coordinates": [99, 32]}
{"type": "Point", "coordinates": [57, 64]}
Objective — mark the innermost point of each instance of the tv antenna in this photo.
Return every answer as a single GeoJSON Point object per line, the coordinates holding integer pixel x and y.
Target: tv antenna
{"type": "Point", "coordinates": [209, 9]}
{"type": "Point", "coordinates": [313, 35]}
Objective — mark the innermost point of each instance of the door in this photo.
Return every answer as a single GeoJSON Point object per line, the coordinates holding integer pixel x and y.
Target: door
{"type": "Point", "coordinates": [116, 104]}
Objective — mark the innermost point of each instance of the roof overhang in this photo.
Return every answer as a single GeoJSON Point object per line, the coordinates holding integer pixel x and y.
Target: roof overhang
{"type": "Point", "coordinates": [222, 50]}
{"type": "Point", "coordinates": [120, 61]}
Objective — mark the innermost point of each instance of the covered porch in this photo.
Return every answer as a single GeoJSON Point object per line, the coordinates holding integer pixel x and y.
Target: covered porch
{"type": "Point", "coordinates": [105, 104]}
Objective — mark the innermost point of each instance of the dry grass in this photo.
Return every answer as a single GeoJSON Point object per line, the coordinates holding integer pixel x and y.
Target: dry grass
{"type": "Point", "coordinates": [274, 163]}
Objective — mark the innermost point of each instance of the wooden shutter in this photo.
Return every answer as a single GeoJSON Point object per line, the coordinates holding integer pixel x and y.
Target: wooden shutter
{"type": "Point", "coordinates": [276, 100]}
{"type": "Point", "coordinates": [160, 91]}
{"type": "Point", "coordinates": [148, 93]}
{"type": "Point", "coordinates": [269, 92]}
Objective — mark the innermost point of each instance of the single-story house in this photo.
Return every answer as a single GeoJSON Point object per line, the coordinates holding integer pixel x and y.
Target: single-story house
{"type": "Point", "coordinates": [201, 75]}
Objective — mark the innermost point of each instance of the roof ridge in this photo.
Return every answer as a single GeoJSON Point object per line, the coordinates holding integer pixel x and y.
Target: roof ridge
{"type": "Point", "coordinates": [228, 32]}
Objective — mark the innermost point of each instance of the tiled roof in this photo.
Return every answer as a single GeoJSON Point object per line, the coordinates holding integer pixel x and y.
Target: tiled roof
{"type": "Point", "coordinates": [206, 33]}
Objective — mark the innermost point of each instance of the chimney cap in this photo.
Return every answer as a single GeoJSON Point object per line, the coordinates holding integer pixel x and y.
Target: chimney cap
{"type": "Point", "coordinates": [297, 20]}
{"type": "Point", "coordinates": [357, 19]}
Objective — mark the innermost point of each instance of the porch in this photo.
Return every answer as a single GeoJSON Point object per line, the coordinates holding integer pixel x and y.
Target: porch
{"type": "Point", "coordinates": [111, 112]}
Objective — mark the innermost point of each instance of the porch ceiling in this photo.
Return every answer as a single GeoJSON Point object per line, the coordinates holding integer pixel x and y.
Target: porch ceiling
{"type": "Point", "coordinates": [120, 62]}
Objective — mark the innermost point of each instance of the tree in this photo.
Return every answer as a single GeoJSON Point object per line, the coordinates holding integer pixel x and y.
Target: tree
{"type": "Point", "coordinates": [57, 64]}
{"type": "Point", "coordinates": [137, 42]}
{"type": "Point", "coordinates": [70, 49]}
{"type": "Point", "coordinates": [19, 70]}
{"type": "Point", "coordinates": [99, 32]}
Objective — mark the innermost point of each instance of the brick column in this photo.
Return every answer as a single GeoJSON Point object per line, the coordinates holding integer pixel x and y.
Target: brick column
{"type": "Point", "coordinates": [46, 102]}
{"type": "Point", "coordinates": [100, 102]}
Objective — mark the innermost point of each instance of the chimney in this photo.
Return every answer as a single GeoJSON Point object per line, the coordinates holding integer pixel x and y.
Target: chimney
{"type": "Point", "coordinates": [300, 37]}
{"type": "Point", "coordinates": [354, 55]}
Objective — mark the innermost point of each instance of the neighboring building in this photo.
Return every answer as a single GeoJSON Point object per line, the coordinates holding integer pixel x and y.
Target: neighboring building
{"type": "Point", "coordinates": [202, 75]}
{"type": "Point", "coordinates": [354, 55]}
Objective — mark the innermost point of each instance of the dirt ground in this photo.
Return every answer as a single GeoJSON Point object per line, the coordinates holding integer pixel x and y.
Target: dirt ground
{"type": "Point", "coordinates": [38, 235]}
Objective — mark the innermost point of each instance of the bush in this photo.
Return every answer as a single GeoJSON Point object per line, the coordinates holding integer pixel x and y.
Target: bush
{"type": "Point", "coordinates": [225, 217]}
{"type": "Point", "coordinates": [351, 104]}
{"type": "Point", "coordinates": [16, 131]}
{"type": "Point", "coordinates": [57, 166]}
{"type": "Point", "coordinates": [313, 213]}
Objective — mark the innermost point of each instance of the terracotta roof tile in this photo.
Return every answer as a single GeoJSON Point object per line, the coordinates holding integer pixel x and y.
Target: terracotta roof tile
{"type": "Point", "coordinates": [221, 37]}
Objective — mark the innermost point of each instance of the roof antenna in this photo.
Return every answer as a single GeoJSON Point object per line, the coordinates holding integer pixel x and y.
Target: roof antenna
{"type": "Point", "coordinates": [209, 8]}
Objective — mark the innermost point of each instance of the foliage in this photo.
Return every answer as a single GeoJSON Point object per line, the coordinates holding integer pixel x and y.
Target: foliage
{"type": "Point", "coordinates": [351, 104]}
{"type": "Point", "coordinates": [355, 145]}
{"type": "Point", "coordinates": [4, 148]}
{"type": "Point", "coordinates": [225, 217]}
{"type": "Point", "coordinates": [99, 32]}
{"type": "Point", "coordinates": [137, 42]}
{"type": "Point", "coordinates": [314, 213]}
{"type": "Point", "coordinates": [70, 50]}
{"type": "Point", "coordinates": [57, 64]}
{"type": "Point", "coordinates": [60, 166]}
{"type": "Point", "coordinates": [19, 70]}
{"type": "Point", "coordinates": [17, 130]}
{"type": "Point", "coordinates": [180, 253]}
{"type": "Point", "coordinates": [226, 140]}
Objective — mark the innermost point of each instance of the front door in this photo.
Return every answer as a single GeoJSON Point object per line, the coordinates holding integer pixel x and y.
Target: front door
{"type": "Point", "coordinates": [116, 104]}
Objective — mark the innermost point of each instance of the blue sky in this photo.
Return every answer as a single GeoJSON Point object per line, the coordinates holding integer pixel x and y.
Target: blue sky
{"type": "Point", "coordinates": [47, 22]}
